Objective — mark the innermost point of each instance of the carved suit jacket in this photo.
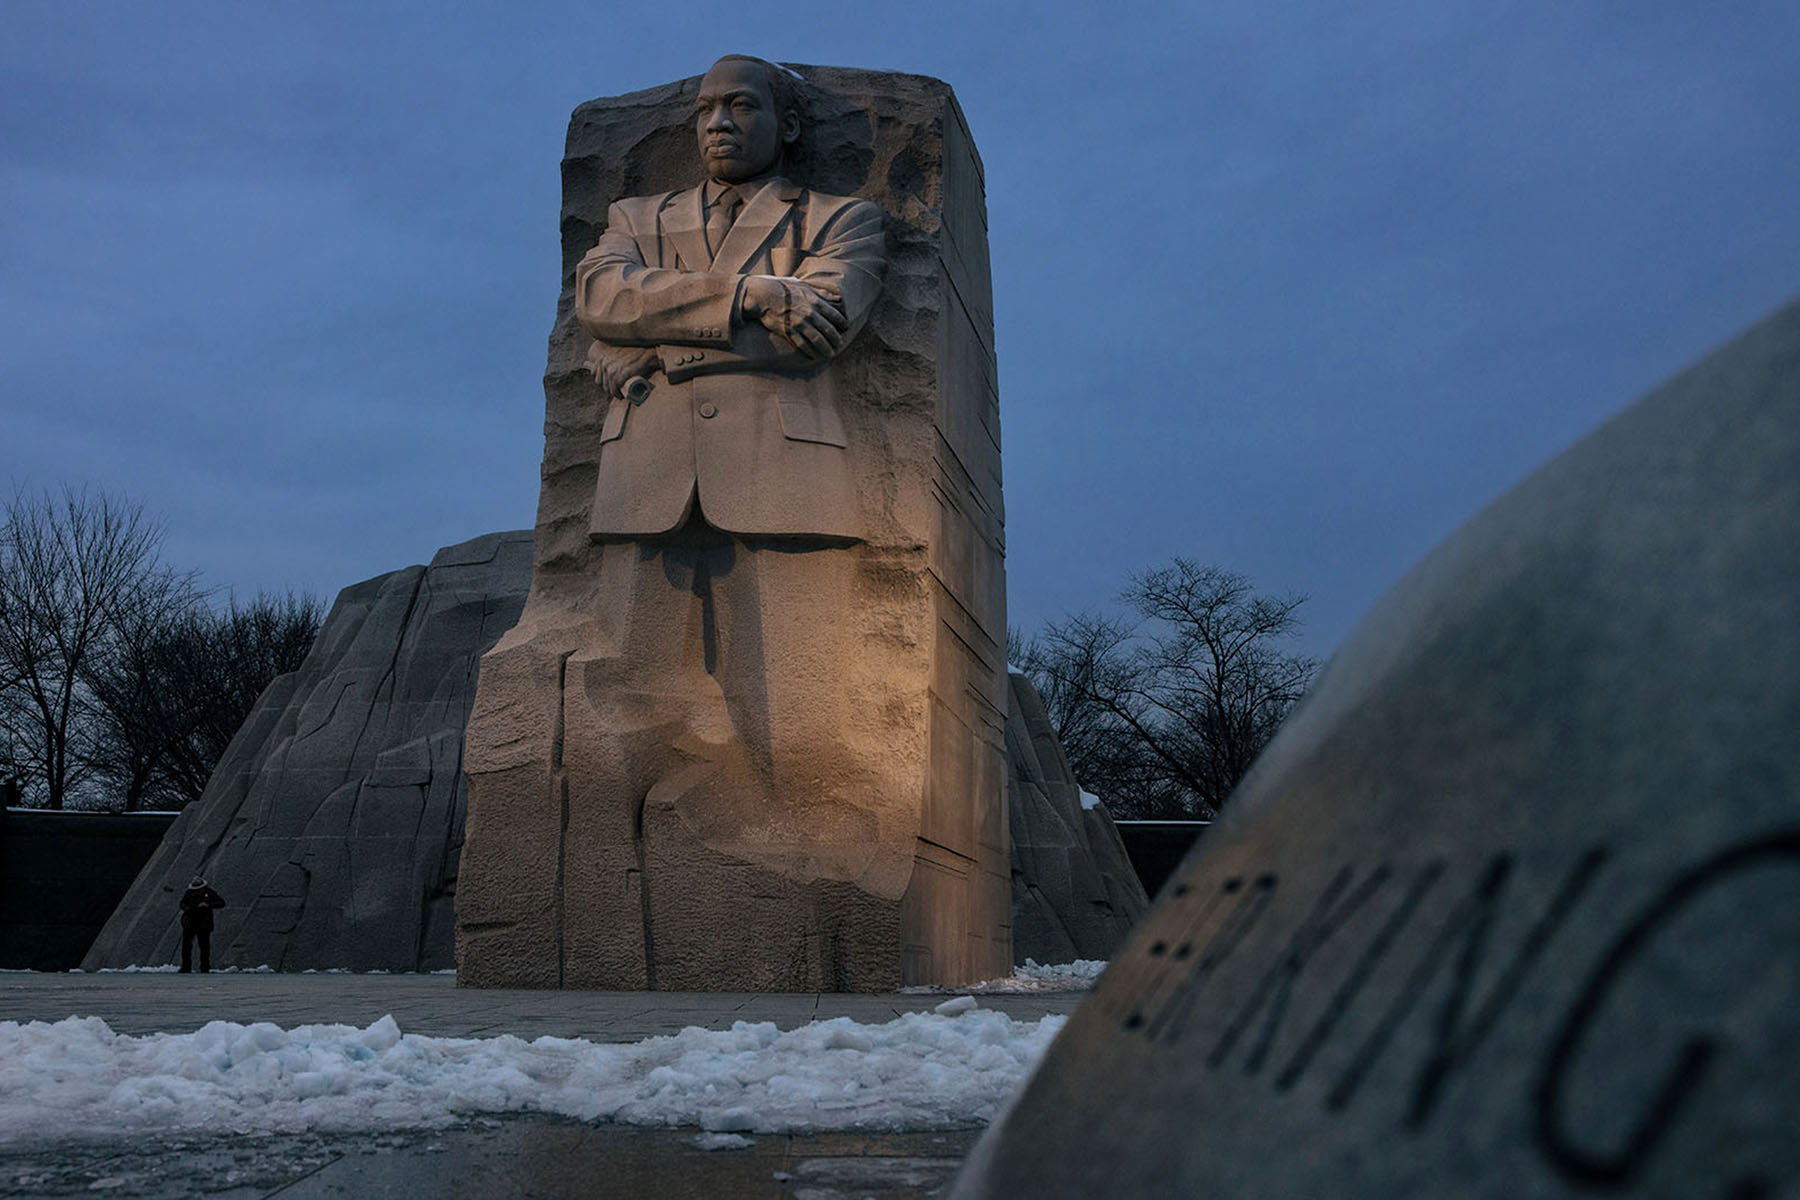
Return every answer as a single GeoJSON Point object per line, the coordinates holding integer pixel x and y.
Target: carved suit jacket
{"type": "Point", "coordinates": [737, 416]}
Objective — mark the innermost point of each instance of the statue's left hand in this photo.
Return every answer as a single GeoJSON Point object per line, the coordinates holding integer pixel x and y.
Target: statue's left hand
{"type": "Point", "coordinates": [614, 365]}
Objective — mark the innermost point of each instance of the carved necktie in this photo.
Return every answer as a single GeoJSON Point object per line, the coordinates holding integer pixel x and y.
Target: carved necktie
{"type": "Point", "coordinates": [718, 222]}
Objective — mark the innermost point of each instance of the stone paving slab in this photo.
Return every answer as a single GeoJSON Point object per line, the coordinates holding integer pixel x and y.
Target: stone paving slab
{"type": "Point", "coordinates": [140, 1002]}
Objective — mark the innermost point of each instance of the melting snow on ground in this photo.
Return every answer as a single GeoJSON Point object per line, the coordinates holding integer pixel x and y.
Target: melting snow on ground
{"type": "Point", "coordinates": [171, 968]}
{"type": "Point", "coordinates": [1077, 976]}
{"type": "Point", "coordinates": [265, 969]}
{"type": "Point", "coordinates": [957, 1065]}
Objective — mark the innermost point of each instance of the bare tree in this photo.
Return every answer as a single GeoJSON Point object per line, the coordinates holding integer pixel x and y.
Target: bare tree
{"type": "Point", "coordinates": [139, 698]}
{"type": "Point", "coordinates": [172, 692]}
{"type": "Point", "coordinates": [1163, 712]}
{"type": "Point", "coordinates": [114, 673]}
{"type": "Point", "coordinates": [74, 567]}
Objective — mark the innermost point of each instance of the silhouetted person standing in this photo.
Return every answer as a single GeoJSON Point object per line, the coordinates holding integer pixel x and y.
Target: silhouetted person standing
{"type": "Point", "coordinates": [197, 904]}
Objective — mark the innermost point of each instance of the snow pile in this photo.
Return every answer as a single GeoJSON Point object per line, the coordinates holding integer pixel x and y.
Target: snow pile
{"type": "Point", "coordinates": [1052, 977]}
{"type": "Point", "coordinates": [922, 1071]}
{"type": "Point", "coordinates": [1078, 976]}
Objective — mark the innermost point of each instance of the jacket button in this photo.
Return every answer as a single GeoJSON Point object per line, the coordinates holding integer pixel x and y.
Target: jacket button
{"type": "Point", "coordinates": [709, 409]}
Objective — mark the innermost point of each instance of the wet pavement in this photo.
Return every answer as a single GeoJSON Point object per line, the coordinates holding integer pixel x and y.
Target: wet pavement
{"type": "Point", "coordinates": [492, 1157]}
{"type": "Point", "coordinates": [499, 1156]}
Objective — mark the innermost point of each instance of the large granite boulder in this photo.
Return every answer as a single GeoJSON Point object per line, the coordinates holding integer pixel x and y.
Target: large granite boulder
{"type": "Point", "coordinates": [1074, 892]}
{"type": "Point", "coordinates": [1511, 906]}
{"type": "Point", "coordinates": [333, 822]}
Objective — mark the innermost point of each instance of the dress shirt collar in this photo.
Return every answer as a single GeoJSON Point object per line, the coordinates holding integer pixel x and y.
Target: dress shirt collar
{"type": "Point", "coordinates": [747, 191]}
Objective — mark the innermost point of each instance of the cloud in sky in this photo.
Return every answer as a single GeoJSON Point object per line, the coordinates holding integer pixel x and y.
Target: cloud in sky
{"type": "Point", "coordinates": [1291, 288]}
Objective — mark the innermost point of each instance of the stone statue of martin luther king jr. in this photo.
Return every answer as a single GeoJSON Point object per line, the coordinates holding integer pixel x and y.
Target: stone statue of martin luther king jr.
{"type": "Point", "coordinates": [728, 773]}
{"type": "Point", "coordinates": [730, 300]}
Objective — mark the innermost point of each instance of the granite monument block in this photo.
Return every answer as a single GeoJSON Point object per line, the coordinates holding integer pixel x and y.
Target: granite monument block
{"type": "Point", "coordinates": [749, 731]}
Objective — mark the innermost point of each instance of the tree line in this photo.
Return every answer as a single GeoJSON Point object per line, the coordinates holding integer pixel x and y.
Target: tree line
{"type": "Point", "coordinates": [121, 681]}
{"type": "Point", "coordinates": [1162, 707]}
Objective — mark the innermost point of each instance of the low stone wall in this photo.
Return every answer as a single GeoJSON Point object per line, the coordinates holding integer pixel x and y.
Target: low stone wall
{"type": "Point", "coordinates": [61, 875]}
{"type": "Point", "coordinates": [1156, 848]}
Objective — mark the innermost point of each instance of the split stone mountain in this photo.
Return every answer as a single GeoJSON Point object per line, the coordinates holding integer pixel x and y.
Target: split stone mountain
{"type": "Point", "coordinates": [736, 713]}
{"type": "Point", "coordinates": [334, 820]}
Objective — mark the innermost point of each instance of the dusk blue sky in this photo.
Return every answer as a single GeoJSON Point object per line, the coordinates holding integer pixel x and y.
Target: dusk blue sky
{"type": "Point", "coordinates": [1293, 288]}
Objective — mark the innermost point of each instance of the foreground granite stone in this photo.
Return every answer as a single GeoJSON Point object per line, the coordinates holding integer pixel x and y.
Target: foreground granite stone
{"type": "Point", "coordinates": [748, 733]}
{"type": "Point", "coordinates": [1074, 894]}
{"type": "Point", "coordinates": [332, 824]}
{"type": "Point", "coordinates": [1512, 905]}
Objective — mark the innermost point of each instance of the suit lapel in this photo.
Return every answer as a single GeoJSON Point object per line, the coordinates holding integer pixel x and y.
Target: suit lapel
{"type": "Point", "coordinates": [756, 227]}
{"type": "Point", "coordinates": [683, 227]}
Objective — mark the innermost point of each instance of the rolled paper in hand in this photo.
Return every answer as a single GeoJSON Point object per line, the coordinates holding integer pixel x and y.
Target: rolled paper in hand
{"type": "Point", "coordinates": [636, 389]}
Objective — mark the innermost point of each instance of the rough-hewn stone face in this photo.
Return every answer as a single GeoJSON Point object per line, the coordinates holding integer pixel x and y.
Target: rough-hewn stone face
{"type": "Point", "coordinates": [1075, 894]}
{"type": "Point", "coordinates": [625, 834]}
{"type": "Point", "coordinates": [332, 824]}
{"type": "Point", "coordinates": [1511, 906]}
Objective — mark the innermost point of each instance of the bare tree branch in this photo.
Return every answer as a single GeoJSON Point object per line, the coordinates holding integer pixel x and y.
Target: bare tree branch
{"type": "Point", "coordinates": [1162, 713]}
{"type": "Point", "coordinates": [117, 683]}
{"type": "Point", "coordinates": [72, 567]}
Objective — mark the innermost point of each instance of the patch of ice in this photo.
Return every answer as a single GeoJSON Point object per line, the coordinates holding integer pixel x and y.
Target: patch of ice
{"type": "Point", "coordinates": [921, 1071]}
{"type": "Point", "coordinates": [720, 1141]}
{"type": "Point", "coordinates": [1089, 800]}
{"type": "Point", "coordinates": [956, 1007]}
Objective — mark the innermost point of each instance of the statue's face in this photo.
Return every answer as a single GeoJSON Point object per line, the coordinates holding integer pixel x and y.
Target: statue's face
{"type": "Point", "coordinates": [740, 132]}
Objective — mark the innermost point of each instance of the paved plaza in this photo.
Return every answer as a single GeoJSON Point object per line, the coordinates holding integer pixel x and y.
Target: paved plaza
{"type": "Point", "coordinates": [507, 1155]}
{"type": "Point", "coordinates": [146, 1002]}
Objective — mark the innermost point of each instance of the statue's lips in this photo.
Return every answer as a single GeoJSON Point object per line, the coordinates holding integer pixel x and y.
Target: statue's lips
{"type": "Point", "coordinates": [724, 149]}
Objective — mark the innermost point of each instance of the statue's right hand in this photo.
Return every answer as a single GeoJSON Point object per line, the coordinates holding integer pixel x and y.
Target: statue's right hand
{"type": "Point", "coordinates": [614, 366]}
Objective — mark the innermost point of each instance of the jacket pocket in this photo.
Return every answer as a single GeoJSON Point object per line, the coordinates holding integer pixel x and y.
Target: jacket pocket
{"type": "Point", "coordinates": [614, 428]}
{"type": "Point", "coordinates": [805, 420]}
